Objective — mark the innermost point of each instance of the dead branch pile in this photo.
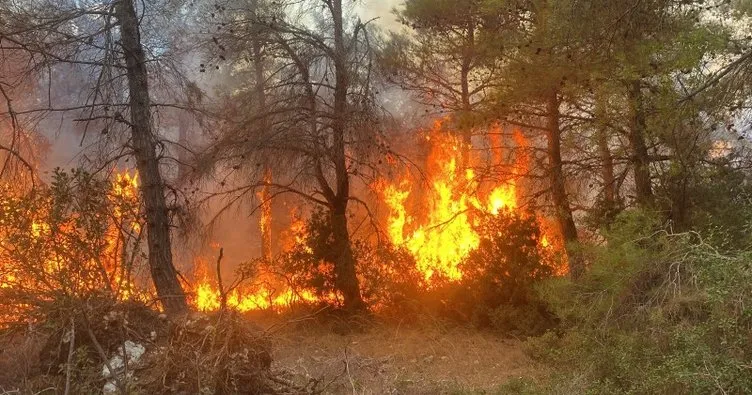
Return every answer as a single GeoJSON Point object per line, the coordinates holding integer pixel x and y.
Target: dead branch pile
{"type": "Point", "coordinates": [216, 354]}
{"type": "Point", "coordinates": [104, 346]}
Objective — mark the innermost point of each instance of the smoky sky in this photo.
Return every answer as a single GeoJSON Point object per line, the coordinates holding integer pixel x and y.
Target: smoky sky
{"type": "Point", "coordinates": [381, 9]}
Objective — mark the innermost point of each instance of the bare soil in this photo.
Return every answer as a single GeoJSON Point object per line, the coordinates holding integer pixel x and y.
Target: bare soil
{"type": "Point", "coordinates": [382, 358]}
{"type": "Point", "coordinates": [393, 359]}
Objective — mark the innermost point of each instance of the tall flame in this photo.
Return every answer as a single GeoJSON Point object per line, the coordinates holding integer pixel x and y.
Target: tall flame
{"type": "Point", "coordinates": [265, 220]}
{"type": "Point", "coordinates": [442, 230]}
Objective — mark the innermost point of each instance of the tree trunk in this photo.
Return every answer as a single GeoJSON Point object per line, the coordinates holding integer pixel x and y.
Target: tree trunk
{"type": "Point", "coordinates": [640, 158]}
{"type": "Point", "coordinates": [558, 189]}
{"type": "Point", "coordinates": [466, 126]}
{"type": "Point", "coordinates": [163, 272]}
{"type": "Point", "coordinates": [608, 179]}
{"type": "Point", "coordinates": [265, 221]}
{"type": "Point", "coordinates": [346, 278]}
{"type": "Point", "coordinates": [345, 274]}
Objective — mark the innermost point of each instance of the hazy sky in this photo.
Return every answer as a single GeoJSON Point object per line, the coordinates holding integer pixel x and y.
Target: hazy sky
{"type": "Point", "coordinates": [379, 8]}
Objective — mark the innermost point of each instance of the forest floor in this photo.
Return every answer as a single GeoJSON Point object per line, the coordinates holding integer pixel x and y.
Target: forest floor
{"type": "Point", "coordinates": [396, 359]}
{"type": "Point", "coordinates": [428, 357]}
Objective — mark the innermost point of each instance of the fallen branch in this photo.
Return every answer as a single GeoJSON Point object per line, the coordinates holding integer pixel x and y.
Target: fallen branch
{"type": "Point", "coordinates": [222, 293]}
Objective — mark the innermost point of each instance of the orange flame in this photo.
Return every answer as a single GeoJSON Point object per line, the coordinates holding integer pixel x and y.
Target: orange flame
{"type": "Point", "coordinates": [265, 220]}
{"type": "Point", "coordinates": [442, 232]}
{"type": "Point", "coordinates": [50, 258]}
{"type": "Point", "coordinates": [207, 296]}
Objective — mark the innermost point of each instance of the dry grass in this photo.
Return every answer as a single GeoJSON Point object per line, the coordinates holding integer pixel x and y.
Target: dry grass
{"type": "Point", "coordinates": [394, 359]}
{"type": "Point", "coordinates": [313, 356]}
{"type": "Point", "coordinates": [16, 359]}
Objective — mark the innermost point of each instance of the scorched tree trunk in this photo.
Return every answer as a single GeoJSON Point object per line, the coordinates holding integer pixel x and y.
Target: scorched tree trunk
{"type": "Point", "coordinates": [144, 142]}
{"type": "Point", "coordinates": [347, 280]}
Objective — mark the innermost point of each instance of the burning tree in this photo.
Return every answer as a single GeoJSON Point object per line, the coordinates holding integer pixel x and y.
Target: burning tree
{"type": "Point", "coordinates": [145, 151]}
{"type": "Point", "coordinates": [106, 40]}
{"type": "Point", "coordinates": [461, 58]}
{"type": "Point", "coordinates": [439, 225]}
{"type": "Point", "coordinates": [80, 237]}
{"type": "Point", "coordinates": [448, 62]}
{"type": "Point", "coordinates": [320, 116]}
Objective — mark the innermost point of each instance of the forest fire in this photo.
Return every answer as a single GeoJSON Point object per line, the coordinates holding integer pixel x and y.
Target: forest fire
{"type": "Point", "coordinates": [395, 196]}
{"type": "Point", "coordinates": [439, 225]}
{"type": "Point", "coordinates": [265, 291]}
{"type": "Point", "coordinates": [67, 251]}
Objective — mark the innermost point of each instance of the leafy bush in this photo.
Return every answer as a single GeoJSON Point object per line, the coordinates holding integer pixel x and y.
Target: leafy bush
{"type": "Point", "coordinates": [79, 237]}
{"type": "Point", "coordinates": [658, 312]}
{"type": "Point", "coordinates": [715, 200]}
{"type": "Point", "coordinates": [500, 275]}
{"type": "Point", "coordinates": [508, 261]}
{"type": "Point", "coordinates": [388, 277]}
{"type": "Point", "coordinates": [497, 290]}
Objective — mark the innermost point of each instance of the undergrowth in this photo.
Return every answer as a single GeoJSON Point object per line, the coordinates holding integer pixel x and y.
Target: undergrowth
{"type": "Point", "coordinates": [656, 313]}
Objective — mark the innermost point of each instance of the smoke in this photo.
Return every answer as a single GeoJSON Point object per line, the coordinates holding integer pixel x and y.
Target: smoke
{"type": "Point", "coordinates": [382, 10]}
{"type": "Point", "coordinates": [75, 143]}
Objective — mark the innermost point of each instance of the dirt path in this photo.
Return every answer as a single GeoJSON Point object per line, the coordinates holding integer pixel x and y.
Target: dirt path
{"type": "Point", "coordinates": [398, 360]}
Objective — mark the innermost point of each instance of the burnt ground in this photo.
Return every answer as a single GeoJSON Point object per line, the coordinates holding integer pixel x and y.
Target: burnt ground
{"type": "Point", "coordinates": [394, 359]}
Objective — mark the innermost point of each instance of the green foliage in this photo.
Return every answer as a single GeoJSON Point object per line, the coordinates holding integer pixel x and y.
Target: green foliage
{"type": "Point", "coordinates": [497, 290]}
{"type": "Point", "coordinates": [715, 201]}
{"type": "Point", "coordinates": [454, 54]}
{"type": "Point", "coordinates": [306, 265]}
{"type": "Point", "coordinates": [656, 313]}
{"type": "Point", "coordinates": [509, 253]}
{"type": "Point", "coordinates": [389, 280]}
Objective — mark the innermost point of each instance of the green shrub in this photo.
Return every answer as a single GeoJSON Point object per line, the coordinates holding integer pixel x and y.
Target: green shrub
{"type": "Point", "coordinates": [497, 290]}
{"type": "Point", "coordinates": [499, 277]}
{"type": "Point", "coordinates": [657, 312]}
{"type": "Point", "coordinates": [715, 200]}
{"type": "Point", "coordinates": [389, 279]}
